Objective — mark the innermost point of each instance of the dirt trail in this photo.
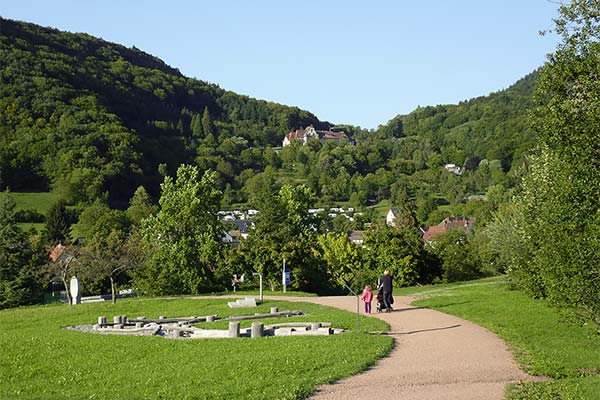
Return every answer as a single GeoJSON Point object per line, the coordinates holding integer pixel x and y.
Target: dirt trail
{"type": "Point", "coordinates": [435, 356]}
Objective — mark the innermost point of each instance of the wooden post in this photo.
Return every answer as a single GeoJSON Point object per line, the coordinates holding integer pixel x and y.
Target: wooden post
{"type": "Point", "coordinates": [234, 329]}
{"type": "Point", "coordinates": [257, 329]}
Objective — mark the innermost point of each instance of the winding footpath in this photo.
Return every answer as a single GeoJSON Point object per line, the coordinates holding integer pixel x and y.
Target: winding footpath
{"type": "Point", "coordinates": [435, 356]}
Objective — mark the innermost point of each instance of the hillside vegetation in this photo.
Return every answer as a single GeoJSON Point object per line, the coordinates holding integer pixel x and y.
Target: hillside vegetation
{"type": "Point", "coordinates": [87, 119]}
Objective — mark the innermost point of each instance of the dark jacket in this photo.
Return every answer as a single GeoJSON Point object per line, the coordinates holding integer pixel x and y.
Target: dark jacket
{"type": "Point", "coordinates": [386, 283]}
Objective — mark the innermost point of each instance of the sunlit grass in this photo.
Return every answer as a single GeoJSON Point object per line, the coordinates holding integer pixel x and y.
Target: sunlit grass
{"type": "Point", "coordinates": [40, 201]}
{"type": "Point", "coordinates": [41, 360]}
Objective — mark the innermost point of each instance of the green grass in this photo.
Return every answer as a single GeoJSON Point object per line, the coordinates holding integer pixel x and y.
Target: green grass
{"type": "Point", "coordinates": [26, 226]}
{"type": "Point", "coordinates": [41, 360]}
{"type": "Point", "coordinates": [544, 340]}
{"type": "Point", "coordinates": [41, 201]}
{"type": "Point", "coordinates": [381, 209]}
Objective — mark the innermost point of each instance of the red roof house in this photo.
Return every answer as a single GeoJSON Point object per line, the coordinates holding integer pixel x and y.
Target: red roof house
{"type": "Point", "coordinates": [464, 223]}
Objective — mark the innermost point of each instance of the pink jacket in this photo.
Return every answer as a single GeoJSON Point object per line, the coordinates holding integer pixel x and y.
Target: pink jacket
{"type": "Point", "coordinates": [367, 296]}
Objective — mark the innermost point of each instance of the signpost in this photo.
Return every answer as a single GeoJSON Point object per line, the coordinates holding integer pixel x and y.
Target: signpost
{"type": "Point", "coordinates": [285, 277]}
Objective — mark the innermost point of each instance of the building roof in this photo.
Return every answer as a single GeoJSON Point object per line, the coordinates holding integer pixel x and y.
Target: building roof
{"type": "Point", "coordinates": [463, 223]}
{"type": "Point", "coordinates": [355, 236]}
{"type": "Point", "coordinates": [244, 225]}
{"type": "Point", "coordinates": [56, 252]}
{"type": "Point", "coordinates": [310, 131]}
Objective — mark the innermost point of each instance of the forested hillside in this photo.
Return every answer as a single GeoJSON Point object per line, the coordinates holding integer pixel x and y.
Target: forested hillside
{"type": "Point", "coordinates": [84, 117]}
{"type": "Point", "coordinates": [493, 127]}
{"type": "Point", "coordinates": [90, 119]}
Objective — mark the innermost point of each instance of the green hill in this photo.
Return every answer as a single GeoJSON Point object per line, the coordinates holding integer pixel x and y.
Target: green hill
{"type": "Point", "coordinates": [493, 127]}
{"type": "Point", "coordinates": [86, 118]}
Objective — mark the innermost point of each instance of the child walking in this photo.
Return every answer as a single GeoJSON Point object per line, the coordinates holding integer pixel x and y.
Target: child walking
{"type": "Point", "coordinates": [367, 297]}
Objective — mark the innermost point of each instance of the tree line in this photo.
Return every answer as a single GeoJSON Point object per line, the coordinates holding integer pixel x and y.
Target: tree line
{"type": "Point", "coordinates": [176, 247]}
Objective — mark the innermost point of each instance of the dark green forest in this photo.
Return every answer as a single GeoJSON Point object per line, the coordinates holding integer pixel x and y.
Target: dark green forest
{"type": "Point", "coordinates": [87, 119]}
{"type": "Point", "coordinates": [142, 159]}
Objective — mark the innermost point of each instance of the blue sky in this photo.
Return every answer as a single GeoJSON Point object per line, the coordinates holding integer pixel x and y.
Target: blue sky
{"type": "Point", "coordinates": [360, 63]}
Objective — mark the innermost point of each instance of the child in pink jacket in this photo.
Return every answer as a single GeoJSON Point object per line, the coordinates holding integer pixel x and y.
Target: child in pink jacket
{"type": "Point", "coordinates": [367, 297]}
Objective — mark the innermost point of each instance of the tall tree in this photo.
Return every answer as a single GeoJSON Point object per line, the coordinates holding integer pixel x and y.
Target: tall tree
{"type": "Point", "coordinates": [207, 126]}
{"type": "Point", "coordinates": [13, 255]}
{"type": "Point", "coordinates": [57, 227]}
{"type": "Point", "coordinates": [140, 206]}
{"type": "Point", "coordinates": [196, 126]}
{"type": "Point", "coordinates": [559, 204]}
{"type": "Point", "coordinates": [186, 233]}
{"type": "Point", "coordinates": [394, 249]}
{"type": "Point", "coordinates": [342, 258]}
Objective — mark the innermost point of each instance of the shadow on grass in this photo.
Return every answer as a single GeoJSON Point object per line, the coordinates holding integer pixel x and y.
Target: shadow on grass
{"type": "Point", "coordinates": [445, 305]}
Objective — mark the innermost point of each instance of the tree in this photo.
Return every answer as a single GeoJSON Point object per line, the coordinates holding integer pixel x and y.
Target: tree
{"type": "Point", "coordinates": [185, 233]}
{"type": "Point", "coordinates": [342, 259]}
{"type": "Point", "coordinates": [15, 258]}
{"type": "Point", "coordinates": [196, 126]}
{"type": "Point", "coordinates": [458, 261]}
{"type": "Point", "coordinates": [559, 201]}
{"type": "Point", "coordinates": [63, 266]}
{"type": "Point", "coordinates": [405, 216]}
{"type": "Point", "coordinates": [207, 126]}
{"type": "Point", "coordinates": [111, 256]}
{"type": "Point", "coordinates": [286, 229]}
{"type": "Point", "coordinates": [394, 249]}
{"type": "Point", "coordinates": [140, 206]}
{"type": "Point", "coordinates": [58, 223]}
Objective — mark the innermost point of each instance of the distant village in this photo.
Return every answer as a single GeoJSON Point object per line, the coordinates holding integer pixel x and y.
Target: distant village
{"type": "Point", "coordinates": [244, 223]}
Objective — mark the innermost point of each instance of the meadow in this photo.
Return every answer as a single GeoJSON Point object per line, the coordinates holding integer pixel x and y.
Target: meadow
{"type": "Point", "coordinates": [42, 360]}
{"type": "Point", "coordinates": [546, 341]}
{"type": "Point", "coordinates": [40, 201]}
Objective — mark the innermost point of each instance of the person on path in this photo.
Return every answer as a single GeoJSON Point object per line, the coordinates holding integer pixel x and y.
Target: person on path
{"type": "Point", "coordinates": [367, 297]}
{"type": "Point", "coordinates": [387, 287]}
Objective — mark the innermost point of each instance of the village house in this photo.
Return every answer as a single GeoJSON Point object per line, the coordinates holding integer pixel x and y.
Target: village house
{"type": "Point", "coordinates": [308, 133]}
{"type": "Point", "coordinates": [455, 169]}
{"type": "Point", "coordinates": [391, 217]}
{"type": "Point", "coordinates": [466, 224]}
{"type": "Point", "coordinates": [356, 237]}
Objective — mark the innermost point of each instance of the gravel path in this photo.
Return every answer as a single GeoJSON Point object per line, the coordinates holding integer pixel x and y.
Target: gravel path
{"type": "Point", "coordinates": [435, 356]}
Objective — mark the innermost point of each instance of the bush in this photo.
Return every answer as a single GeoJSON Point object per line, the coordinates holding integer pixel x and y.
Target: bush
{"type": "Point", "coordinates": [29, 215]}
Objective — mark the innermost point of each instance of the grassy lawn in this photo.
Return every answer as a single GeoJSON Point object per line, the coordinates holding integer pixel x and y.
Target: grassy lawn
{"type": "Point", "coordinates": [381, 209]}
{"type": "Point", "coordinates": [41, 201]}
{"type": "Point", "coordinates": [40, 360]}
{"type": "Point", "coordinates": [26, 226]}
{"type": "Point", "coordinates": [544, 340]}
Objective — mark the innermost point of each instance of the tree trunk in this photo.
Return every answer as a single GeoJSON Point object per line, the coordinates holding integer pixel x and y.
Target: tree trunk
{"type": "Point", "coordinates": [113, 290]}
